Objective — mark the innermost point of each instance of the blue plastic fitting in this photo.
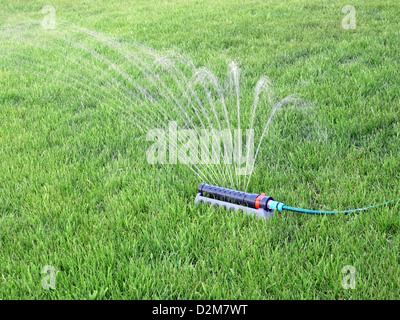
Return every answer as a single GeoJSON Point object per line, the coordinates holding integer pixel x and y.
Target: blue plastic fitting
{"type": "Point", "coordinates": [272, 205]}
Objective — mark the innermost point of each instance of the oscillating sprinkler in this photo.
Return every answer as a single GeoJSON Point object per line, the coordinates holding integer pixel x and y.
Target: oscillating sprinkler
{"type": "Point", "coordinates": [260, 205]}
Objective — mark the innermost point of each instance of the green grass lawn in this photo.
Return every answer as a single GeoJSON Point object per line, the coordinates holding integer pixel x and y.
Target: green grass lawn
{"type": "Point", "coordinates": [77, 193]}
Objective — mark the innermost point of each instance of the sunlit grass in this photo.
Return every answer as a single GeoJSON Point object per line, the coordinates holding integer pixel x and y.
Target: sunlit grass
{"type": "Point", "coordinates": [77, 193]}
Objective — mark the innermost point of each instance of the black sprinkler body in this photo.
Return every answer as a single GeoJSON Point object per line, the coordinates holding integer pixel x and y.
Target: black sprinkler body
{"type": "Point", "coordinates": [251, 203]}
